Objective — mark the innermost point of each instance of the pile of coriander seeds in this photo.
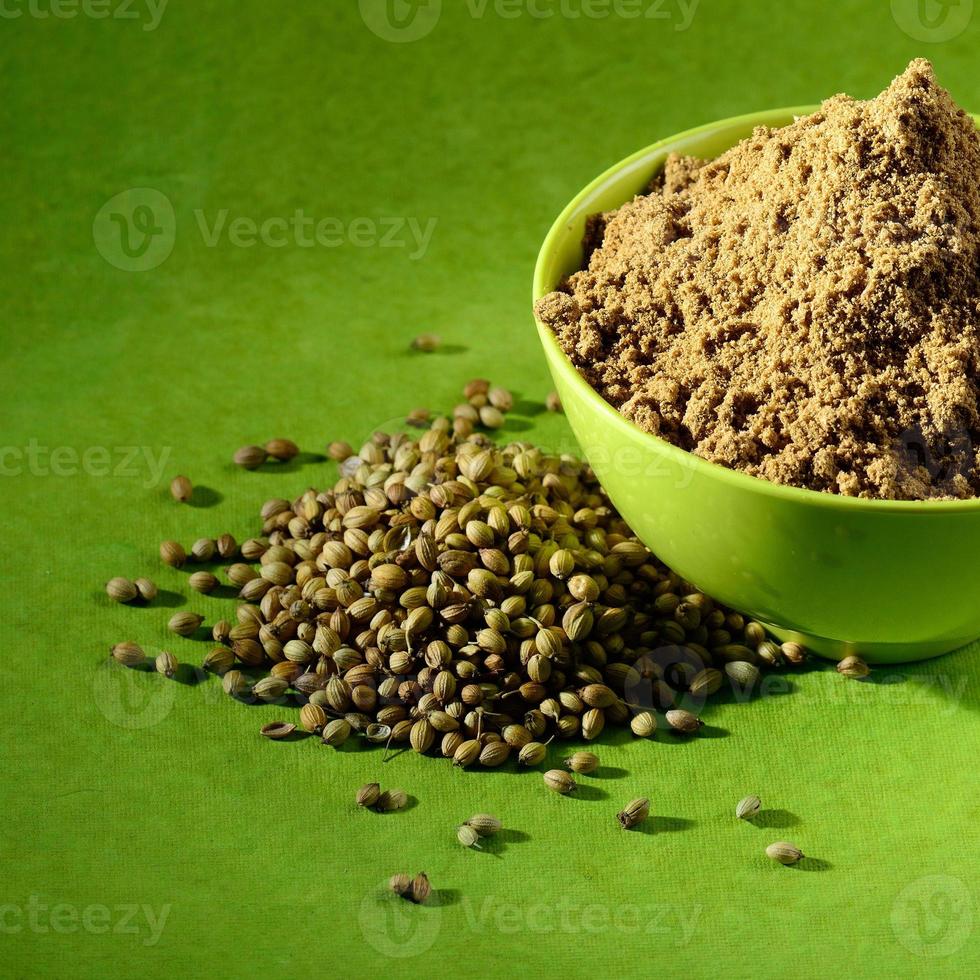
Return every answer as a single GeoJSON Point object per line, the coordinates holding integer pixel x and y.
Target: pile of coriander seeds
{"type": "Point", "coordinates": [469, 600]}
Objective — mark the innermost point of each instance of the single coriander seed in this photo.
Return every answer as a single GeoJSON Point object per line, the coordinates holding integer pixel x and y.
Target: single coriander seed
{"type": "Point", "coordinates": [747, 808]}
{"type": "Point", "coordinates": [277, 730]}
{"type": "Point", "coordinates": [559, 781]}
{"type": "Point", "coordinates": [853, 667]}
{"type": "Point", "coordinates": [129, 654]}
{"type": "Point", "coordinates": [583, 762]}
{"type": "Point", "coordinates": [485, 824]}
{"type": "Point", "coordinates": [250, 457]}
{"type": "Point", "coordinates": [184, 623]}
{"type": "Point", "coordinates": [784, 852]}
{"type": "Point", "coordinates": [467, 836]}
{"type": "Point", "coordinates": [635, 812]}
{"type": "Point", "coordinates": [368, 795]}
{"type": "Point", "coordinates": [120, 589]}
{"type": "Point", "coordinates": [426, 343]}
{"type": "Point", "coordinates": [181, 489]}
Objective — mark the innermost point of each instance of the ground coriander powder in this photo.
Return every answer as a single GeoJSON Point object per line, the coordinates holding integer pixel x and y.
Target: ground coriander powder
{"type": "Point", "coordinates": [803, 308]}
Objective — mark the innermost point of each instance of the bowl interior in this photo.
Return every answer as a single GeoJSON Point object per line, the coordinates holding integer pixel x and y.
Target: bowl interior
{"type": "Point", "coordinates": [562, 254]}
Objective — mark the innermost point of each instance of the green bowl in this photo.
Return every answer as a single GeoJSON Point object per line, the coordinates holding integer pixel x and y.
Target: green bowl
{"type": "Point", "coordinates": [890, 580]}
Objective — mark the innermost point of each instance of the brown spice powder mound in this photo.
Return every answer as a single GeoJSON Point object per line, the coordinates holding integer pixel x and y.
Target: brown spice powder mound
{"type": "Point", "coordinates": [805, 307]}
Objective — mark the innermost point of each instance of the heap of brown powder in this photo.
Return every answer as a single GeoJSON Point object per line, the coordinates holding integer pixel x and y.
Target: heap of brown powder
{"type": "Point", "coordinates": [805, 307]}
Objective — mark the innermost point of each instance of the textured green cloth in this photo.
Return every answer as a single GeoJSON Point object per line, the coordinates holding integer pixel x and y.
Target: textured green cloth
{"type": "Point", "coordinates": [148, 829]}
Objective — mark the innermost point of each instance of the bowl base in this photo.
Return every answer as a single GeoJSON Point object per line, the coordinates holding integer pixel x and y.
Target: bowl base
{"type": "Point", "coordinates": [872, 653]}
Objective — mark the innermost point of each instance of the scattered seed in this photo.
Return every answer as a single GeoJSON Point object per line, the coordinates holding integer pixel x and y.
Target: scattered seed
{"type": "Point", "coordinates": [484, 824]}
{"type": "Point", "coordinates": [367, 795]}
{"type": "Point", "coordinates": [166, 663]}
{"type": "Point", "coordinates": [426, 342]}
{"type": "Point", "coordinates": [559, 781]}
{"type": "Point", "coordinates": [683, 721]}
{"type": "Point", "coordinates": [236, 684]}
{"type": "Point", "coordinates": [401, 885]}
{"type": "Point", "coordinates": [853, 667]}
{"type": "Point", "coordinates": [203, 582]}
{"type": "Point", "coordinates": [583, 762]}
{"type": "Point", "coordinates": [219, 660]}
{"type": "Point", "coordinates": [277, 730]}
{"type": "Point", "coordinates": [784, 852]}
{"type": "Point", "coordinates": [312, 717]}
{"type": "Point", "coordinates": [635, 812]}
{"type": "Point", "coordinates": [184, 623]}
{"type": "Point", "coordinates": [129, 654]}
{"type": "Point", "coordinates": [203, 549]}
{"type": "Point", "coordinates": [421, 889]}
{"type": "Point", "coordinates": [281, 449]}
{"type": "Point", "coordinates": [339, 451]}
{"type": "Point", "coordinates": [172, 553]}
{"type": "Point", "coordinates": [793, 652]}
{"type": "Point", "coordinates": [146, 588]}
{"type": "Point", "coordinates": [644, 724]}
{"type": "Point", "coordinates": [181, 489]}
{"type": "Point", "coordinates": [748, 807]}
{"type": "Point", "coordinates": [250, 457]}
{"type": "Point", "coordinates": [467, 836]}
{"type": "Point", "coordinates": [553, 402]}
{"type": "Point", "coordinates": [532, 754]}
{"type": "Point", "coordinates": [120, 589]}
{"type": "Point", "coordinates": [392, 799]}
{"type": "Point", "coordinates": [336, 732]}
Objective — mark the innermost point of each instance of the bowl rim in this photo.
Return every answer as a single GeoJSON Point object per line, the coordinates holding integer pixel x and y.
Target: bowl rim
{"type": "Point", "coordinates": [559, 230]}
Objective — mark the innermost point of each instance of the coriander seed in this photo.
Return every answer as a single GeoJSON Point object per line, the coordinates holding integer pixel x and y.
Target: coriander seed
{"type": "Point", "coordinates": [421, 889]}
{"type": "Point", "coordinates": [635, 812]}
{"type": "Point", "coordinates": [683, 721]}
{"type": "Point", "coordinates": [173, 553]}
{"type": "Point", "coordinates": [853, 667]}
{"type": "Point", "coordinates": [277, 730]}
{"type": "Point", "coordinates": [484, 824]}
{"type": "Point", "coordinates": [120, 589]}
{"type": "Point", "coordinates": [184, 623]}
{"type": "Point", "coordinates": [250, 457]}
{"type": "Point", "coordinates": [748, 807]}
{"type": "Point", "coordinates": [336, 732]}
{"type": "Point", "coordinates": [784, 852]}
{"type": "Point", "coordinates": [181, 489]}
{"type": "Point", "coordinates": [368, 794]}
{"type": "Point", "coordinates": [282, 450]}
{"type": "Point", "coordinates": [583, 763]}
{"type": "Point", "coordinates": [128, 654]}
{"type": "Point", "coordinates": [644, 724]}
{"type": "Point", "coordinates": [426, 343]}
{"type": "Point", "coordinates": [400, 884]}
{"type": "Point", "coordinates": [559, 781]}
{"type": "Point", "coordinates": [203, 582]}
{"type": "Point", "coordinates": [392, 799]}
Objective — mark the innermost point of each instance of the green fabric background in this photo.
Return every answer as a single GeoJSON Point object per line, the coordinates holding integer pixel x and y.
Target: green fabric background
{"type": "Point", "coordinates": [121, 790]}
